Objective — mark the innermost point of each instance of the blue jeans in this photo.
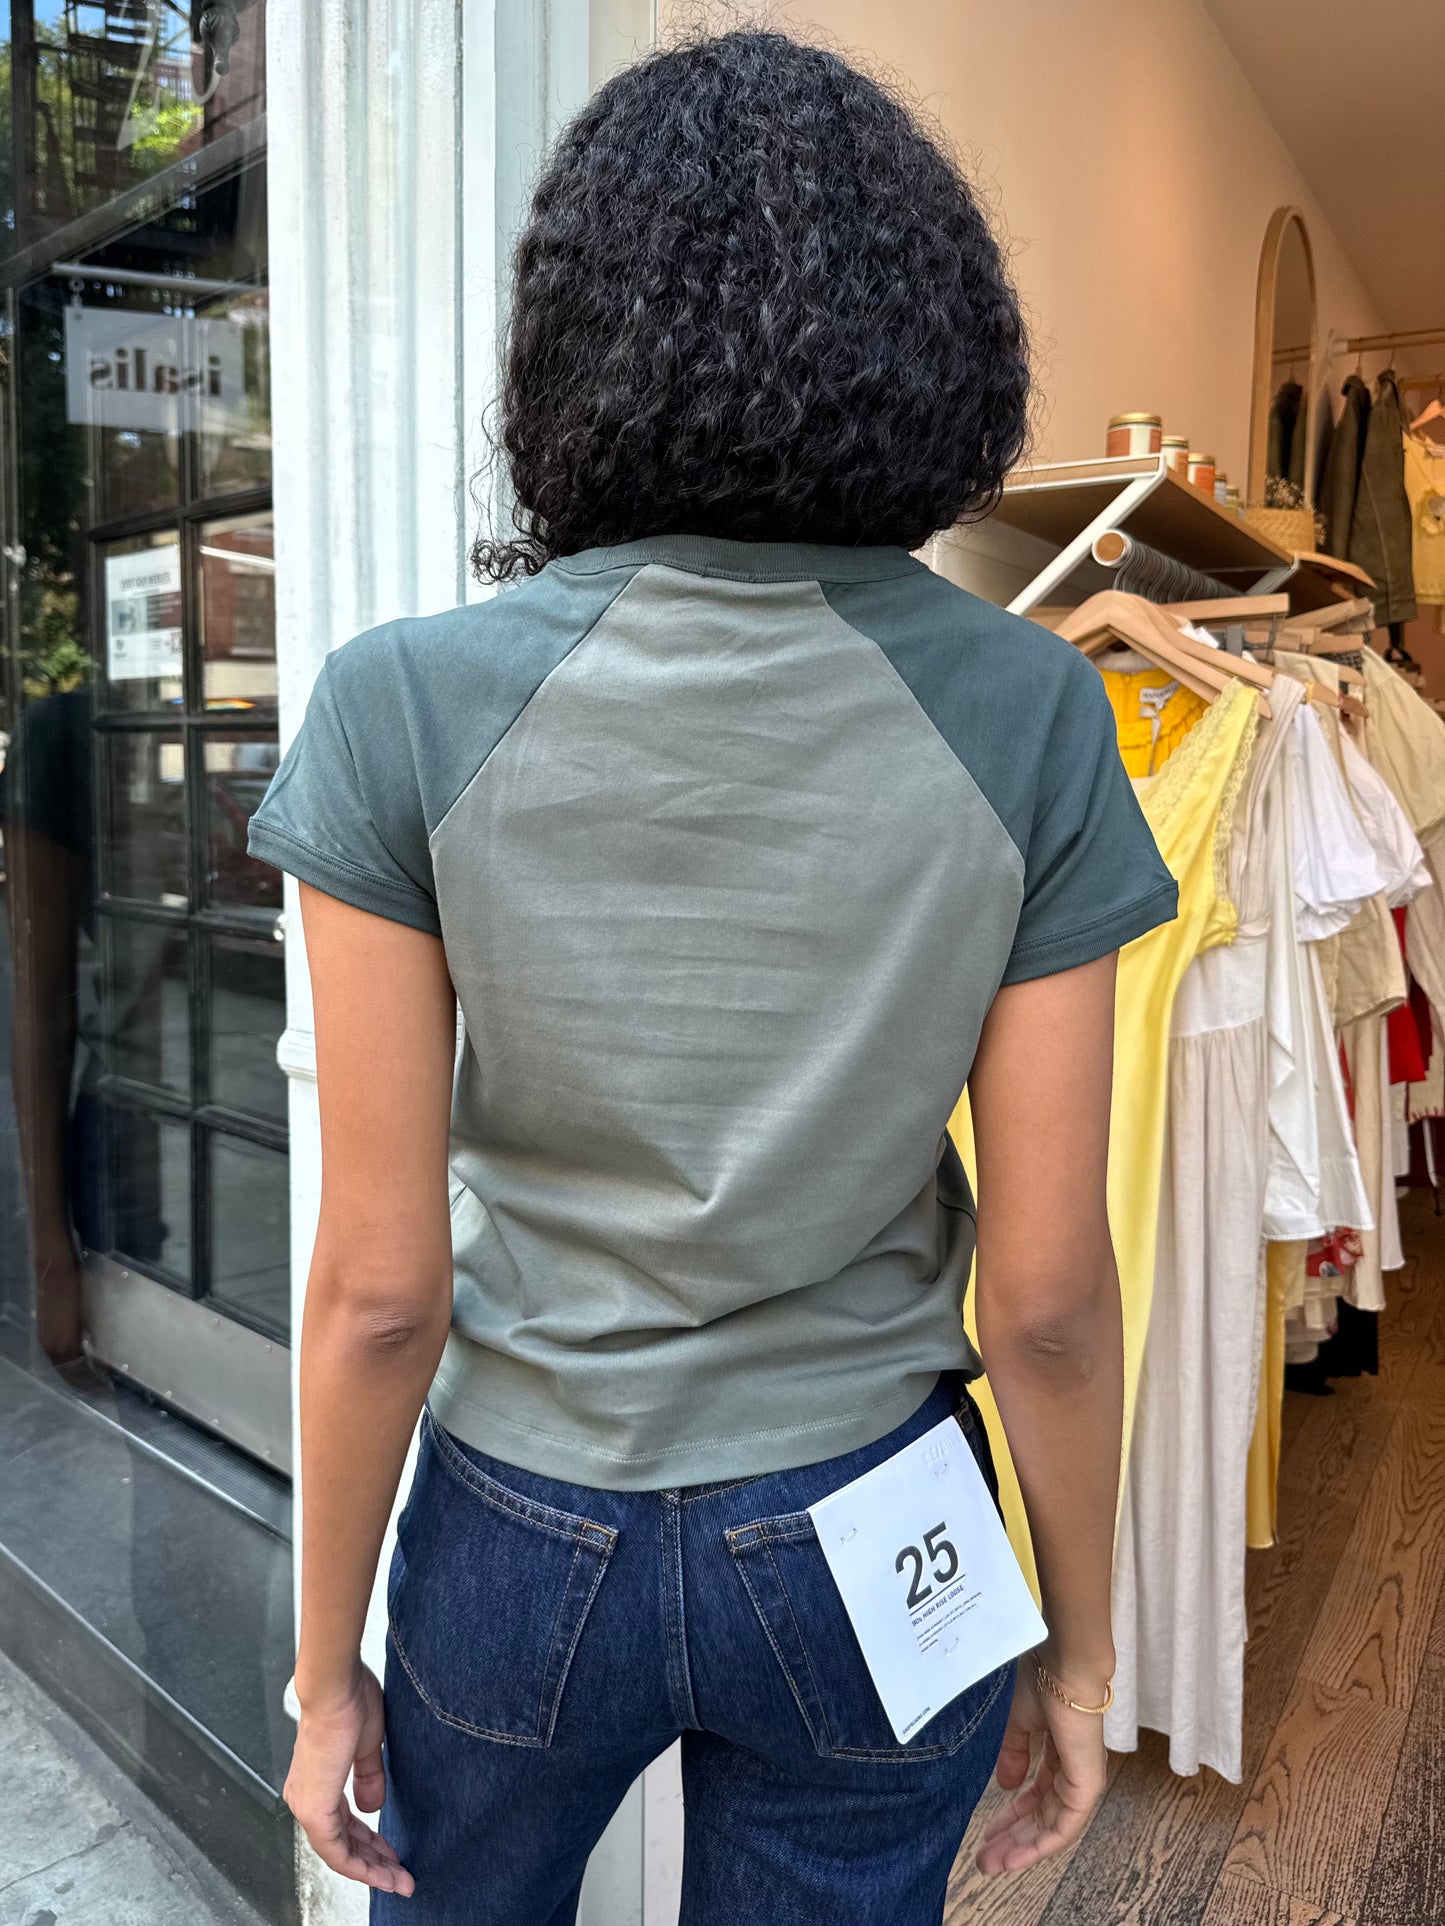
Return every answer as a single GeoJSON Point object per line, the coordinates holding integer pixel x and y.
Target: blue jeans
{"type": "Point", "coordinates": [549, 1640]}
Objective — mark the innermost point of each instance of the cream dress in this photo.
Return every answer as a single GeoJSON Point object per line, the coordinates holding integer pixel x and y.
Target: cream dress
{"type": "Point", "coordinates": [1178, 1588]}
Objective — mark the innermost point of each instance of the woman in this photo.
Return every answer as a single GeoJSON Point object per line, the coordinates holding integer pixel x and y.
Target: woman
{"type": "Point", "coordinates": [742, 840]}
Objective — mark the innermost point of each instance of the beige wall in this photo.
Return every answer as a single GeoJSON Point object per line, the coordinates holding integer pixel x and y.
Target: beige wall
{"type": "Point", "coordinates": [1135, 170]}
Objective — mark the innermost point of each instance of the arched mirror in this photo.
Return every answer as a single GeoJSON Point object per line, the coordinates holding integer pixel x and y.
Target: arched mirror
{"type": "Point", "coordinates": [1281, 411]}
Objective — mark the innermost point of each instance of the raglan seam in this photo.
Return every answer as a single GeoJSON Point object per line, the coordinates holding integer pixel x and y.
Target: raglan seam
{"type": "Point", "coordinates": [411, 886]}
{"type": "Point", "coordinates": [566, 656]}
{"type": "Point", "coordinates": [873, 643]}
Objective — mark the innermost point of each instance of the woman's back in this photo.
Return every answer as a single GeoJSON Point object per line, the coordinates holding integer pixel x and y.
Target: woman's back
{"type": "Point", "coordinates": [740, 839]}
{"type": "Point", "coordinates": [729, 844]}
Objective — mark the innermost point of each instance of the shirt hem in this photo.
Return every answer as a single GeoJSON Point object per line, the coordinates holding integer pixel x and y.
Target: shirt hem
{"type": "Point", "coordinates": [1094, 939]}
{"type": "Point", "coordinates": [397, 902]}
{"type": "Point", "coordinates": [746, 1454]}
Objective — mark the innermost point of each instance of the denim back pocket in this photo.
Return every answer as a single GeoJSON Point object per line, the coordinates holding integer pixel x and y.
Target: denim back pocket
{"type": "Point", "coordinates": [801, 1610]}
{"type": "Point", "coordinates": [488, 1596]}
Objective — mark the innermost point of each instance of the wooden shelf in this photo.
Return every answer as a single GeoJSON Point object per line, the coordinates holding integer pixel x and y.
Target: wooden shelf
{"type": "Point", "coordinates": [1055, 503]}
{"type": "Point", "coordinates": [1067, 504]}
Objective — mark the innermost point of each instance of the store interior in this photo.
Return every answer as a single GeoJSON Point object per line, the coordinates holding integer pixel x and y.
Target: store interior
{"type": "Point", "coordinates": [1235, 506]}
{"type": "Point", "coordinates": [1217, 213]}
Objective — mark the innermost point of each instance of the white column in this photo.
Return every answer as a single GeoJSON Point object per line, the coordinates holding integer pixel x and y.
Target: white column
{"type": "Point", "coordinates": [403, 138]}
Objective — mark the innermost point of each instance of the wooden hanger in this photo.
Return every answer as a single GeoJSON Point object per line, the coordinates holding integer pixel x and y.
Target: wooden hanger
{"type": "Point", "coordinates": [1434, 411]}
{"type": "Point", "coordinates": [1229, 608]}
{"type": "Point", "coordinates": [1112, 616]}
{"type": "Point", "coordinates": [1242, 668]}
{"type": "Point", "coordinates": [1334, 615]}
{"type": "Point", "coordinates": [1296, 644]}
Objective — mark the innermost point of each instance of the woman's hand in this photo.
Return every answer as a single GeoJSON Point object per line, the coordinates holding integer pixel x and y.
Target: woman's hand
{"type": "Point", "coordinates": [1068, 1783]}
{"type": "Point", "coordinates": [333, 1744]}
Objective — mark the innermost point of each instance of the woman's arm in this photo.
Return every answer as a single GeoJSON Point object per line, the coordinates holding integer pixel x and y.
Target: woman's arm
{"type": "Point", "coordinates": [378, 1303]}
{"type": "Point", "coordinates": [1051, 1334]}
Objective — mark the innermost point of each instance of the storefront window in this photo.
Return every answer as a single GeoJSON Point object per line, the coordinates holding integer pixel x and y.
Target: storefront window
{"type": "Point", "coordinates": [149, 1144]}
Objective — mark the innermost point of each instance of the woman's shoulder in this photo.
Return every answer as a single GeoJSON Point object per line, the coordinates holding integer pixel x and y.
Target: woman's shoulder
{"type": "Point", "coordinates": [488, 638]}
{"type": "Point", "coordinates": [429, 696]}
{"type": "Point", "coordinates": [944, 637]}
{"type": "Point", "coordinates": [1007, 695]}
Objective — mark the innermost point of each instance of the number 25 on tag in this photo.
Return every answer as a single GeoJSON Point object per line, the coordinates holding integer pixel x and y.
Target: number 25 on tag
{"type": "Point", "coordinates": [935, 1545]}
{"type": "Point", "coordinates": [946, 1606]}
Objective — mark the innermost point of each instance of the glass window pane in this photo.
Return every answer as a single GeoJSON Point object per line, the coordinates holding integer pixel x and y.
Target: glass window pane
{"type": "Point", "coordinates": [148, 1004]}
{"type": "Point", "coordinates": [248, 1014]}
{"type": "Point", "coordinates": [148, 1181]}
{"type": "Point", "coordinates": [144, 854]}
{"type": "Point", "coordinates": [234, 439]}
{"type": "Point", "coordinates": [133, 471]}
{"type": "Point", "coordinates": [238, 770]}
{"type": "Point", "coordinates": [250, 1232]}
{"type": "Point", "coordinates": [238, 613]}
{"type": "Point", "coordinates": [108, 93]}
{"type": "Point", "coordinates": [140, 622]}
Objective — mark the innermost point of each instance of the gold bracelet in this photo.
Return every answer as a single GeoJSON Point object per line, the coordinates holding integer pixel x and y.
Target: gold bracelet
{"type": "Point", "coordinates": [1051, 1684]}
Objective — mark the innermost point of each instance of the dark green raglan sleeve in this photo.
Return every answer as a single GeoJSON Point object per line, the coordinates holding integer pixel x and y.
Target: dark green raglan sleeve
{"type": "Point", "coordinates": [1029, 719]}
{"type": "Point", "coordinates": [399, 722]}
{"type": "Point", "coordinates": [1093, 876]}
{"type": "Point", "coordinates": [354, 829]}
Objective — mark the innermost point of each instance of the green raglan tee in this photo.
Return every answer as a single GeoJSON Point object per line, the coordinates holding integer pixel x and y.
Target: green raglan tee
{"type": "Point", "coordinates": [731, 846]}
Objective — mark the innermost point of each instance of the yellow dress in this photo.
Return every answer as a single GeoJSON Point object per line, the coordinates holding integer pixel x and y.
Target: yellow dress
{"type": "Point", "coordinates": [1144, 749]}
{"type": "Point", "coordinates": [1425, 485]}
{"type": "Point", "coordinates": [1284, 1272]}
{"type": "Point", "coordinates": [1189, 806]}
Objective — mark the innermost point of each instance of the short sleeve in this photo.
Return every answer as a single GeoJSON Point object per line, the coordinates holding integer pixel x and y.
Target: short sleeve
{"type": "Point", "coordinates": [344, 810]}
{"type": "Point", "coordinates": [1093, 876]}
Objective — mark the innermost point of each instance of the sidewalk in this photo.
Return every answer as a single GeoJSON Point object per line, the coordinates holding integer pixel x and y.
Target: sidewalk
{"type": "Point", "coordinates": [81, 1846]}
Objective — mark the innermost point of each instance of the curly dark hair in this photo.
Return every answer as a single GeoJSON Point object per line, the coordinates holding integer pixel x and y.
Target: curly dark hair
{"type": "Point", "coordinates": [753, 299]}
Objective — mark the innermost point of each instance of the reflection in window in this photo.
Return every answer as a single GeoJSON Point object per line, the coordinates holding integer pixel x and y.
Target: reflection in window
{"type": "Point", "coordinates": [147, 1004]}
{"type": "Point", "coordinates": [238, 612]}
{"type": "Point", "coordinates": [140, 590]}
{"type": "Point", "coordinates": [111, 92]}
{"type": "Point", "coordinates": [148, 1186]}
{"type": "Point", "coordinates": [250, 1232]}
{"type": "Point", "coordinates": [143, 854]}
{"type": "Point", "coordinates": [238, 769]}
{"type": "Point", "coordinates": [247, 1016]}
{"type": "Point", "coordinates": [234, 436]}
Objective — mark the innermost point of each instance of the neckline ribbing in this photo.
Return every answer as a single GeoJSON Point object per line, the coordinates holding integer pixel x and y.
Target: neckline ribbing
{"type": "Point", "coordinates": [746, 561]}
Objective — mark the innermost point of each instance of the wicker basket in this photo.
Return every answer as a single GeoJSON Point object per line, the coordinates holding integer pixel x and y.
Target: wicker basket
{"type": "Point", "coordinates": [1291, 528]}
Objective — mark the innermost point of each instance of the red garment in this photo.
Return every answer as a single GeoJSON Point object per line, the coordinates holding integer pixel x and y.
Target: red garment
{"type": "Point", "coordinates": [1333, 1254]}
{"type": "Point", "coordinates": [1407, 1057]}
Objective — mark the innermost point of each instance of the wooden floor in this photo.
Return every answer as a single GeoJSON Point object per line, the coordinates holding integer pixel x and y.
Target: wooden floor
{"type": "Point", "coordinates": [1340, 1820]}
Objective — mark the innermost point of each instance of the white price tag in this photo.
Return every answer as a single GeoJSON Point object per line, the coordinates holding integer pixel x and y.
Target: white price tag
{"type": "Point", "coordinates": [927, 1575]}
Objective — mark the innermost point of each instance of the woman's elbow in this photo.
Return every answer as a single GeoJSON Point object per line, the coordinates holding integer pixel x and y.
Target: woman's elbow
{"type": "Point", "coordinates": [1069, 1330]}
{"type": "Point", "coordinates": [393, 1315]}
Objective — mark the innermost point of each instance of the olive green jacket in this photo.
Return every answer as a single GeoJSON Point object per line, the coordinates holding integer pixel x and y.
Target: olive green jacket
{"type": "Point", "coordinates": [1380, 529]}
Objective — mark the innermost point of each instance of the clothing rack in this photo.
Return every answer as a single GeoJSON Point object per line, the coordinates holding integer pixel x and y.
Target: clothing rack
{"type": "Point", "coordinates": [1341, 345]}
{"type": "Point", "coordinates": [1142, 570]}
